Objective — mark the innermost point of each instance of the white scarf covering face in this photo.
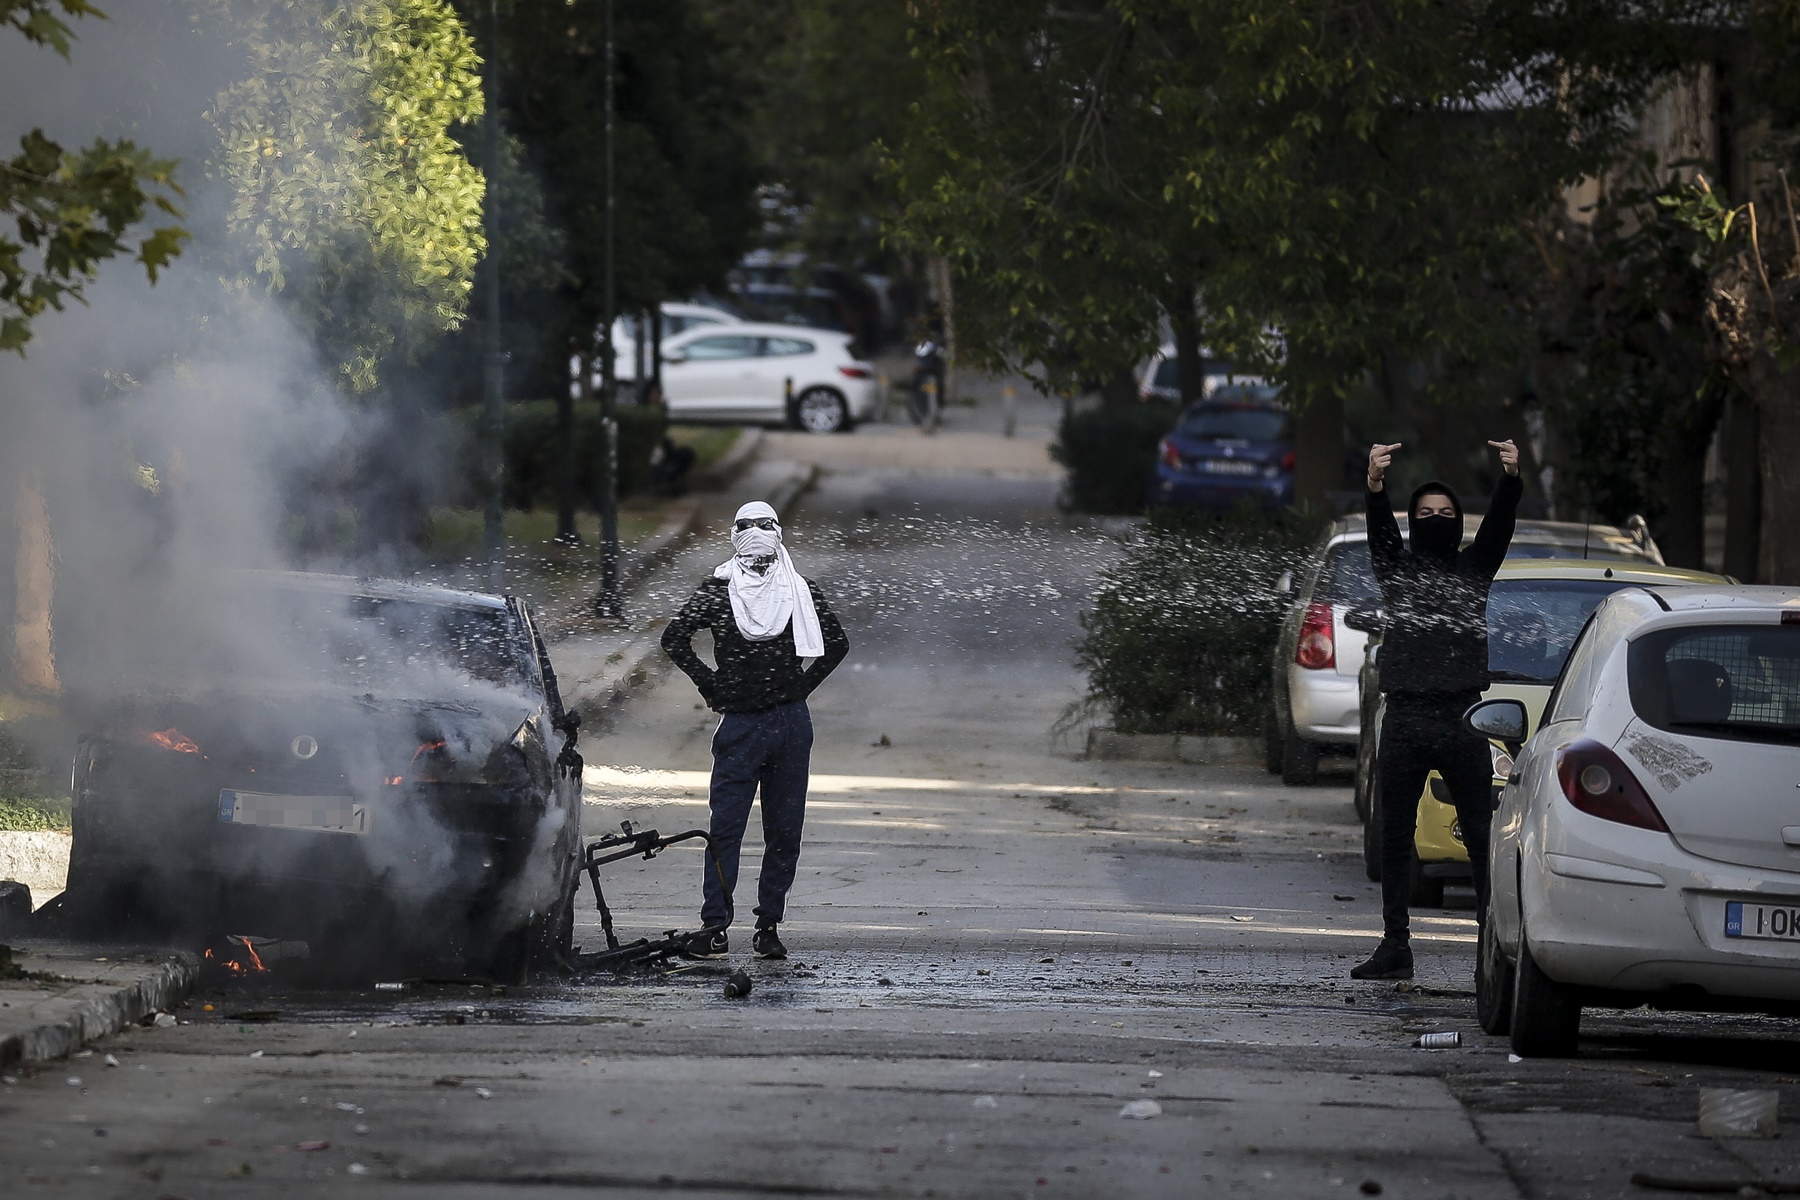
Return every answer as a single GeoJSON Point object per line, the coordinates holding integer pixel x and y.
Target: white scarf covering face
{"type": "Point", "coordinates": [763, 602]}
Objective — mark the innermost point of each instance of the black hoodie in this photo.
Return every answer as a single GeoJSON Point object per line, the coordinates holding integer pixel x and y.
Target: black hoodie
{"type": "Point", "coordinates": [1436, 595]}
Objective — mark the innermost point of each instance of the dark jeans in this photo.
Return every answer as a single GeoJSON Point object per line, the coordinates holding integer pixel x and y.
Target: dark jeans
{"type": "Point", "coordinates": [1418, 737]}
{"type": "Point", "coordinates": [772, 748]}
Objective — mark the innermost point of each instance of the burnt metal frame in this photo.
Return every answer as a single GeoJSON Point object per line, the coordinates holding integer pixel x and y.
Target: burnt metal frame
{"type": "Point", "coordinates": [631, 842]}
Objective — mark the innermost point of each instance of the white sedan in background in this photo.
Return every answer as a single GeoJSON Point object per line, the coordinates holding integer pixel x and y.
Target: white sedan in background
{"type": "Point", "coordinates": [1647, 845]}
{"type": "Point", "coordinates": [775, 374]}
{"type": "Point", "coordinates": [677, 317]}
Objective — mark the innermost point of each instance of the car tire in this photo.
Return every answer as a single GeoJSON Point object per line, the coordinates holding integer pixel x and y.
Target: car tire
{"type": "Point", "coordinates": [1546, 1015]}
{"type": "Point", "coordinates": [1299, 761]}
{"type": "Point", "coordinates": [1272, 744]}
{"type": "Point", "coordinates": [1371, 846]}
{"type": "Point", "coordinates": [1424, 891]}
{"type": "Point", "coordinates": [821, 410]}
{"type": "Point", "coordinates": [1493, 982]}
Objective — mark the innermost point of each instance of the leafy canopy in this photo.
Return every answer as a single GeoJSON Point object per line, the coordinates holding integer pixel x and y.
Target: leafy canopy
{"type": "Point", "coordinates": [72, 209]}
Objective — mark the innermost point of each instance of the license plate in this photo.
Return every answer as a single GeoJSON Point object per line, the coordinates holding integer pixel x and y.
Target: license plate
{"type": "Point", "coordinates": [1231, 466]}
{"type": "Point", "coordinates": [319, 814]}
{"type": "Point", "coordinates": [1764, 922]}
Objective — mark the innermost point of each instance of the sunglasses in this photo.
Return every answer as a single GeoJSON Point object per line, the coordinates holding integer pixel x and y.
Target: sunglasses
{"type": "Point", "coordinates": [769, 523]}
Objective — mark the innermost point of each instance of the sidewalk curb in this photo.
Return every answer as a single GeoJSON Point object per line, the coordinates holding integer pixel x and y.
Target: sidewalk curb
{"type": "Point", "coordinates": [96, 1010]}
{"type": "Point", "coordinates": [1110, 745]}
{"type": "Point", "coordinates": [724, 472]}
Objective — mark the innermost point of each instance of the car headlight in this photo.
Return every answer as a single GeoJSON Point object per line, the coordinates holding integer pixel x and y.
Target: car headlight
{"type": "Point", "coordinates": [1503, 762]}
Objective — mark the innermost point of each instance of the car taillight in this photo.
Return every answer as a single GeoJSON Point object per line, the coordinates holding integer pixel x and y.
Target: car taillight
{"type": "Point", "coordinates": [1170, 456]}
{"type": "Point", "coordinates": [1317, 649]}
{"type": "Point", "coordinates": [1599, 784]}
{"type": "Point", "coordinates": [856, 373]}
{"type": "Point", "coordinates": [1287, 461]}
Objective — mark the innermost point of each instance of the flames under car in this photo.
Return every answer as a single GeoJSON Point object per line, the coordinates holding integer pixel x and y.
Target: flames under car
{"type": "Point", "coordinates": [413, 805]}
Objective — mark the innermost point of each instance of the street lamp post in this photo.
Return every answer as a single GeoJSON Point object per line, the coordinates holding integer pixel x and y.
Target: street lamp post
{"type": "Point", "coordinates": [607, 603]}
{"type": "Point", "coordinates": [494, 513]}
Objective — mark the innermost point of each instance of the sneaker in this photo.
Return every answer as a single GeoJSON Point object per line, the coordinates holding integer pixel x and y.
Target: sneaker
{"type": "Point", "coordinates": [766, 944]}
{"type": "Point", "coordinates": [1391, 960]}
{"type": "Point", "coordinates": [707, 944]}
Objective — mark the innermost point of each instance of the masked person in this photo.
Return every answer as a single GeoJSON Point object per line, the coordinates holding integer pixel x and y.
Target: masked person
{"type": "Point", "coordinates": [767, 624]}
{"type": "Point", "coordinates": [1434, 665]}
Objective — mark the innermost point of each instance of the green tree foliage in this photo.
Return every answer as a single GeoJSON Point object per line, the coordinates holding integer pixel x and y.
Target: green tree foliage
{"type": "Point", "coordinates": [72, 209]}
{"type": "Point", "coordinates": [351, 194]}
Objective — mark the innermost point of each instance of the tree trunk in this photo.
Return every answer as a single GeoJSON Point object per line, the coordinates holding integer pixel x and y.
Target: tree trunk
{"type": "Point", "coordinates": [1743, 489]}
{"type": "Point", "coordinates": [1687, 430]}
{"type": "Point", "coordinates": [34, 643]}
{"type": "Point", "coordinates": [1777, 394]}
{"type": "Point", "coordinates": [1189, 370]}
{"type": "Point", "coordinates": [583, 383]}
{"type": "Point", "coordinates": [941, 280]}
{"type": "Point", "coordinates": [1318, 450]}
{"type": "Point", "coordinates": [656, 351]}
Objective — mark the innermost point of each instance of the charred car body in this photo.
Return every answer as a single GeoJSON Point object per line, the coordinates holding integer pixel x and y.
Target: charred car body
{"type": "Point", "coordinates": [379, 766]}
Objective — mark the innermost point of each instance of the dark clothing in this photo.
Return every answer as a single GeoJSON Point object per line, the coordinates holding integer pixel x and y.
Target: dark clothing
{"type": "Point", "coordinates": [1436, 636]}
{"type": "Point", "coordinates": [1420, 734]}
{"type": "Point", "coordinates": [751, 676]}
{"type": "Point", "coordinates": [772, 748]}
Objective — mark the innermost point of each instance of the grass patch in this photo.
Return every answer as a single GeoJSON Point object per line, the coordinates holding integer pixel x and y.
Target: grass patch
{"type": "Point", "coordinates": [33, 814]}
{"type": "Point", "coordinates": [455, 534]}
{"type": "Point", "coordinates": [709, 443]}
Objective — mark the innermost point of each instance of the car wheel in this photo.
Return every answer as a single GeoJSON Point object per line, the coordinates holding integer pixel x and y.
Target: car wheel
{"type": "Point", "coordinates": [1372, 836]}
{"type": "Point", "coordinates": [1299, 761]}
{"type": "Point", "coordinates": [821, 410]}
{"type": "Point", "coordinates": [1493, 982]}
{"type": "Point", "coordinates": [1546, 1016]}
{"type": "Point", "coordinates": [1424, 891]}
{"type": "Point", "coordinates": [1272, 744]}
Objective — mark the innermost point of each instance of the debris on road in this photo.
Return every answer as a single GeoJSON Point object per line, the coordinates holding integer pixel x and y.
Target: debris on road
{"type": "Point", "coordinates": [312, 1146]}
{"type": "Point", "coordinates": [1731, 1113]}
{"type": "Point", "coordinates": [484, 1093]}
{"type": "Point", "coordinates": [448, 1081]}
{"type": "Point", "coordinates": [985, 1102]}
{"type": "Point", "coordinates": [737, 986]}
{"type": "Point", "coordinates": [1241, 917]}
{"type": "Point", "coordinates": [163, 1020]}
{"type": "Point", "coordinates": [1141, 1110]}
{"type": "Point", "coordinates": [110, 1061]}
{"type": "Point", "coordinates": [390, 985]}
{"type": "Point", "coordinates": [1337, 896]}
{"type": "Point", "coordinates": [1369, 1187]}
{"type": "Point", "coordinates": [1439, 1041]}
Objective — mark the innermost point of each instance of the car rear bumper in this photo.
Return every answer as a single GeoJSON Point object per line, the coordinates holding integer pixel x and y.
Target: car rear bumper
{"type": "Point", "coordinates": [1324, 706]}
{"type": "Point", "coordinates": [1181, 489]}
{"type": "Point", "coordinates": [1639, 915]}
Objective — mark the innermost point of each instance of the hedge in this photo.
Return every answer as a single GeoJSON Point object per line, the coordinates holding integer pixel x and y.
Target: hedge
{"type": "Point", "coordinates": [1111, 454]}
{"type": "Point", "coordinates": [532, 449]}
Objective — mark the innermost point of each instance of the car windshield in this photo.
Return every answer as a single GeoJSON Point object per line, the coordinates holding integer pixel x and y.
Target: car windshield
{"type": "Point", "coordinates": [1605, 552]}
{"type": "Point", "coordinates": [1728, 681]}
{"type": "Point", "coordinates": [1234, 423]}
{"type": "Point", "coordinates": [369, 643]}
{"type": "Point", "coordinates": [1532, 623]}
{"type": "Point", "coordinates": [1168, 371]}
{"type": "Point", "coordinates": [1347, 577]}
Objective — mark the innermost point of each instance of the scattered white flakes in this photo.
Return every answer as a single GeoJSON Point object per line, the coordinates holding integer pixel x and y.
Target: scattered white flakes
{"type": "Point", "coordinates": [256, 1054]}
{"type": "Point", "coordinates": [110, 1061]}
{"type": "Point", "coordinates": [357, 1169]}
{"type": "Point", "coordinates": [346, 1106]}
{"type": "Point", "coordinates": [9, 1080]}
{"type": "Point", "coordinates": [353, 1033]}
{"type": "Point", "coordinates": [82, 1054]}
{"type": "Point", "coordinates": [74, 1081]}
{"type": "Point", "coordinates": [164, 1020]}
{"type": "Point", "coordinates": [1141, 1110]}
{"type": "Point", "coordinates": [1513, 1058]}
{"type": "Point", "coordinates": [1241, 917]}
{"type": "Point", "coordinates": [362, 1129]}
{"type": "Point", "coordinates": [1156, 1074]}
{"type": "Point", "coordinates": [986, 1102]}
{"type": "Point", "coordinates": [484, 1093]}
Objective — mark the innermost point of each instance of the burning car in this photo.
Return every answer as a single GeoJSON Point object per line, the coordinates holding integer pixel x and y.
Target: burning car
{"type": "Point", "coordinates": [360, 764]}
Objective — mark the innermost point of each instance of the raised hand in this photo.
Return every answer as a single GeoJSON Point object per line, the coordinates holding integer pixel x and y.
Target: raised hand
{"type": "Point", "coordinates": [1509, 455]}
{"type": "Point", "coordinates": [1381, 457]}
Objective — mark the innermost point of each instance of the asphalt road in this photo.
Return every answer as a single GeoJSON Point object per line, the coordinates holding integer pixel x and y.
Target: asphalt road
{"type": "Point", "coordinates": [996, 948]}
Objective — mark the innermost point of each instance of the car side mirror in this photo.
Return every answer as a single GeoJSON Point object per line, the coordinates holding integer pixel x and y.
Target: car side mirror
{"type": "Point", "coordinates": [1502, 720]}
{"type": "Point", "coordinates": [672, 357]}
{"type": "Point", "coordinates": [1366, 620]}
{"type": "Point", "coordinates": [1284, 586]}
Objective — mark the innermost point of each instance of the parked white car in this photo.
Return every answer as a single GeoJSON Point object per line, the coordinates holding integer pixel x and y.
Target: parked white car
{"type": "Point", "coordinates": [677, 318]}
{"type": "Point", "coordinates": [768, 373]}
{"type": "Point", "coordinates": [1647, 844]}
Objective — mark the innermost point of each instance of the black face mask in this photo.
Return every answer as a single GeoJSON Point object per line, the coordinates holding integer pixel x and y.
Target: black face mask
{"type": "Point", "coordinates": [1436, 536]}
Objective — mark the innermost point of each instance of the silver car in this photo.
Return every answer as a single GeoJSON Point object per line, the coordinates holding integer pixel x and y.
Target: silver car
{"type": "Point", "coordinates": [1316, 707]}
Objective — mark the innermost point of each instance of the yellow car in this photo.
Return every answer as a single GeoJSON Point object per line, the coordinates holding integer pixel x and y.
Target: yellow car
{"type": "Point", "coordinates": [1535, 611]}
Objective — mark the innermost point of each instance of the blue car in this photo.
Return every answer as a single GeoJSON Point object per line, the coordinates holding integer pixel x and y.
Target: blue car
{"type": "Point", "coordinates": [1236, 445]}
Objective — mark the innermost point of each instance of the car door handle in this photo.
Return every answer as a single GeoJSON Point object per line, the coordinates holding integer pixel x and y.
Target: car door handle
{"type": "Point", "coordinates": [1791, 834]}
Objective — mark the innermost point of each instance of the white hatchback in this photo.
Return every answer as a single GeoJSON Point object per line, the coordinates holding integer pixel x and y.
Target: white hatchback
{"type": "Point", "coordinates": [785, 374]}
{"type": "Point", "coordinates": [1647, 845]}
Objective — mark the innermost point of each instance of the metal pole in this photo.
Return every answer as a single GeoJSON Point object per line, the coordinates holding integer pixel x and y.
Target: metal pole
{"type": "Point", "coordinates": [608, 601]}
{"type": "Point", "coordinates": [494, 514]}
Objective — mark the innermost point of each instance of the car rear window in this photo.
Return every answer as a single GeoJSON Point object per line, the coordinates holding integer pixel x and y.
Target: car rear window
{"type": "Point", "coordinates": [1533, 623]}
{"type": "Point", "coordinates": [1728, 681]}
{"type": "Point", "coordinates": [1234, 422]}
{"type": "Point", "coordinates": [1347, 577]}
